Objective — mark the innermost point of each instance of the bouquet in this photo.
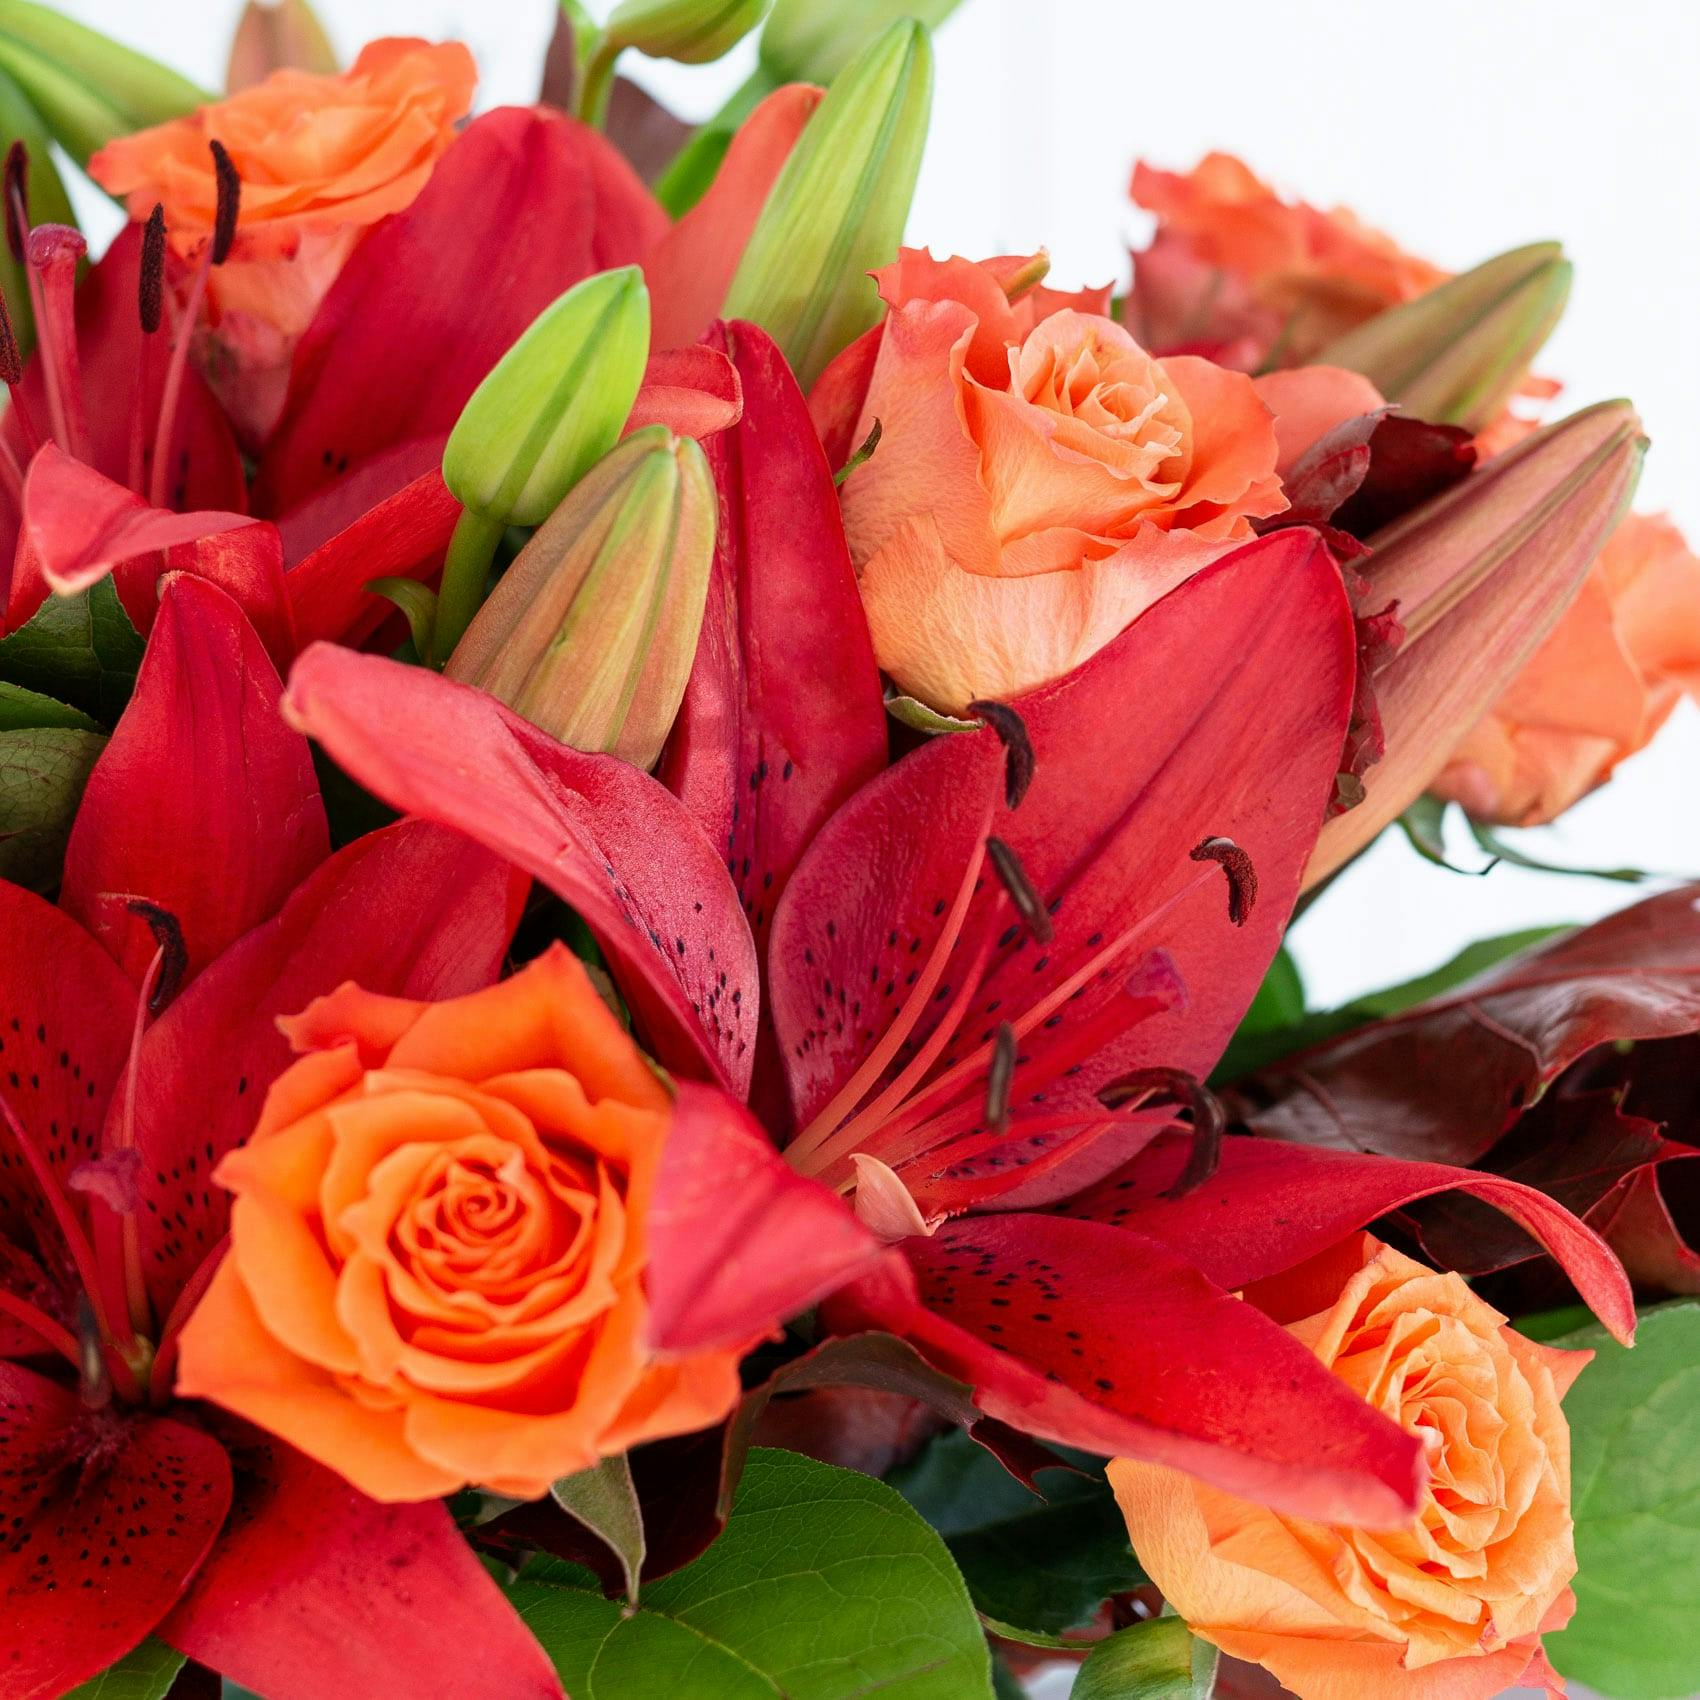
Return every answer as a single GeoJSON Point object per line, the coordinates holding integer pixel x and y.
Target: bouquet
{"type": "Point", "coordinates": [645, 1040]}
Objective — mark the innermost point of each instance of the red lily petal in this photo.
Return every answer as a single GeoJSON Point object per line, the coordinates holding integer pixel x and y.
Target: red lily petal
{"type": "Point", "coordinates": [66, 1013]}
{"type": "Point", "coordinates": [737, 1240]}
{"type": "Point", "coordinates": [403, 536]}
{"type": "Point", "coordinates": [783, 718]}
{"type": "Point", "coordinates": [617, 846]}
{"type": "Point", "coordinates": [694, 391]}
{"type": "Point", "coordinates": [411, 911]}
{"type": "Point", "coordinates": [525, 204]}
{"type": "Point", "coordinates": [1089, 1336]}
{"type": "Point", "coordinates": [1271, 1205]}
{"type": "Point", "coordinates": [318, 1593]}
{"type": "Point", "coordinates": [690, 269]}
{"type": "Point", "coordinates": [104, 1518]}
{"type": "Point", "coordinates": [1505, 1036]}
{"type": "Point", "coordinates": [201, 757]}
{"type": "Point", "coordinates": [841, 391]}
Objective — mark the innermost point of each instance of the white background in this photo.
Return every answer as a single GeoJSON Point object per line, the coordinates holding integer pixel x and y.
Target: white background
{"type": "Point", "coordinates": [1464, 127]}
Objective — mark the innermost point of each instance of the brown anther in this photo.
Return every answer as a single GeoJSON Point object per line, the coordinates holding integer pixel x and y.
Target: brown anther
{"type": "Point", "coordinates": [1242, 876]}
{"type": "Point", "coordinates": [1176, 1086]}
{"type": "Point", "coordinates": [167, 933]}
{"type": "Point", "coordinates": [229, 202]}
{"type": "Point", "coordinates": [150, 283]}
{"type": "Point", "coordinates": [1000, 1076]}
{"type": "Point", "coordinates": [1019, 760]}
{"type": "Point", "coordinates": [11, 361]}
{"type": "Point", "coordinates": [1028, 904]}
{"type": "Point", "coordinates": [17, 179]}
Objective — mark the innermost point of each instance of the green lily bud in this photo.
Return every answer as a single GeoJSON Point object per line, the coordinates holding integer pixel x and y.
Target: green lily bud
{"type": "Point", "coordinates": [591, 632]}
{"type": "Point", "coordinates": [1479, 576]}
{"type": "Point", "coordinates": [811, 41]}
{"type": "Point", "coordinates": [838, 208]}
{"type": "Point", "coordinates": [694, 32]}
{"type": "Point", "coordinates": [87, 87]}
{"type": "Point", "coordinates": [1457, 353]}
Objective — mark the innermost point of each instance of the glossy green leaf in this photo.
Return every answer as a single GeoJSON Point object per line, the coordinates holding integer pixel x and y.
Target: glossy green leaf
{"type": "Point", "coordinates": [21, 708]}
{"type": "Point", "coordinates": [1262, 1035]}
{"type": "Point", "coordinates": [144, 1673]}
{"type": "Point", "coordinates": [43, 770]}
{"type": "Point", "coordinates": [78, 649]}
{"type": "Point", "coordinates": [1635, 1469]}
{"type": "Point", "coordinates": [605, 1500]}
{"type": "Point", "coordinates": [824, 1586]}
{"type": "Point", "coordinates": [1495, 845]}
{"type": "Point", "coordinates": [1159, 1660]}
{"type": "Point", "coordinates": [1031, 1563]}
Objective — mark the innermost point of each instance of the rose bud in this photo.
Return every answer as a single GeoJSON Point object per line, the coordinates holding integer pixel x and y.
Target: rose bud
{"type": "Point", "coordinates": [811, 41]}
{"type": "Point", "coordinates": [1458, 354]}
{"type": "Point", "coordinates": [1453, 1604]}
{"type": "Point", "coordinates": [1615, 665]}
{"type": "Point", "coordinates": [591, 633]}
{"type": "Point", "coordinates": [87, 87]}
{"type": "Point", "coordinates": [839, 205]}
{"type": "Point", "coordinates": [1479, 577]}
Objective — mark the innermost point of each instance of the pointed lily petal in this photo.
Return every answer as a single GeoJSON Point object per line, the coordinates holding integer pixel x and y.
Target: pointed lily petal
{"type": "Point", "coordinates": [411, 911]}
{"type": "Point", "coordinates": [738, 1242]}
{"type": "Point", "coordinates": [1086, 1335]}
{"type": "Point", "coordinates": [607, 838]}
{"type": "Point", "coordinates": [100, 1539]}
{"type": "Point", "coordinates": [201, 757]}
{"type": "Point", "coordinates": [691, 267]}
{"type": "Point", "coordinates": [525, 204]}
{"type": "Point", "coordinates": [1271, 1205]}
{"type": "Point", "coordinates": [319, 1593]}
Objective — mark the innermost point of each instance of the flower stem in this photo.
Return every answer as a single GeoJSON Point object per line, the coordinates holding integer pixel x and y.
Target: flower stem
{"type": "Point", "coordinates": [471, 550]}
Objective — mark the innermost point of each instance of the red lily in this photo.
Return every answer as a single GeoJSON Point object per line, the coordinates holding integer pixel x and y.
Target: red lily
{"type": "Point", "coordinates": [957, 978]}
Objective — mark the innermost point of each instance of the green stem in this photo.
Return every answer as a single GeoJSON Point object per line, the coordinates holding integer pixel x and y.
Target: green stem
{"type": "Point", "coordinates": [597, 84]}
{"type": "Point", "coordinates": [471, 550]}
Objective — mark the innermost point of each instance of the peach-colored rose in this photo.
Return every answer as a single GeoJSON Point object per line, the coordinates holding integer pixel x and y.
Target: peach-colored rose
{"type": "Point", "coordinates": [321, 159]}
{"type": "Point", "coordinates": [1597, 690]}
{"type": "Point", "coordinates": [1295, 274]}
{"type": "Point", "coordinates": [1040, 479]}
{"type": "Point", "coordinates": [1450, 1607]}
{"type": "Point", "coordinates": [437, 1245]}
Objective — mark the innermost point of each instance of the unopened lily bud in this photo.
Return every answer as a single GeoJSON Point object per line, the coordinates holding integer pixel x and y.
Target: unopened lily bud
{"type": "Point", "coordinates": [693, 32]}
{"type": "Point", "coordinates": [1478, 577]}
{"type": "Point", "coordinates": [86, 86]}
{"type": "Point", "coordinates": [591, 632]}
{"type": "Point", "coordinates": [811, 41]}
{"type": "Point", "coordinates": [1457, 354]}
{"type": "Point", "coordinates": [277, 35]}
{"type": "Point", "coordinates": [554, 403]}
{"type": "Point", "coordinates": [838, 208]}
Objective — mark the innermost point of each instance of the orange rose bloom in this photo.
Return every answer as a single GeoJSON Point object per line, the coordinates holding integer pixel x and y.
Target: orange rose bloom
{"type": "Point", "coordinates": [321, 158]}
{"type": "Point", "coordinates": [1307, 276]}
{"type": "Point", "coordinates": [1450, 1607]}
{"type": "Point", "coordinates": [1596, 691]}
{"type": "Point", "coordinates": [1040, 479]}
{"type": "Point", "coordinates": [437, 1245]}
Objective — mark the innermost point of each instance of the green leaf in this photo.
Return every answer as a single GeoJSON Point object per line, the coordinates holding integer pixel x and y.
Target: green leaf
{"type": "Point", "coordinates": [1497, 848]}
{"type": "Point", "coordinates": [48, 202]}
{"type": "Point", "coordinates": [913, 713]}
{"type": "Point", "coordinates": [605, 1501]}
{"type": "Point", "coordinates": [1635, 1468]}
{"type": "Point", "coordinates": [1031, 1563]}
{"type": "Point", "coordinates": [80, 649]}
{"type": "Point", "coordinates": [1262, 1034]}
{"type": "Point", "coordinates": [418, 602]}
{"type": "Point", "coordinates": [1159, 1660]}
{"type": "Point", "coordinates": [21, 709]}
{"type": "Point", "coordinates": [824, 1586]}
{"type": "Point", "coordinates": [1424, 825]}
{"type": "Point", "coordinates": [863, 455]}
{"type": "Point", "coordinates": [144, 1673]}
{"type": "Point", "coordinates": [42, 774]}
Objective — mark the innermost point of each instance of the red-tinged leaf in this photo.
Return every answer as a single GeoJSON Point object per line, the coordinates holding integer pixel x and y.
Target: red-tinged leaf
{"type": "Point", "coordinates": [738, 1241]}
{"type": "Point", "coordinates": [1095, 1337]}
{"type": "Point", "coordinates": [204, 803]}
{"type": "Point", "coordinates": [1640, 1224]}
{"type": "Point", "coordinates": [66, 1013]}
{"type": "Point", "coordinates": [104, 1518]}
{"type": "Point", "coordinates": [644, 131]}
{"type": "Point", "coordinates": [318, 1593]}
{"type": "Point", "coordinates": [110, 344]}
{"type": "Point", "coordinates": [525, 204]}
{"type": "Point", "coordinates": [411, 911]}
{"type": "Point", "coordinates": [690, 268]}
{"type": "Point", "coordinates": [608, 839]}
{"type": "Point", "coordinates": [1330, 471]}
{"type": "Point", "coordinates": [1271, 1205]}
{"type": "Point", "coordinates": [783, 718]}
{"type": "Point", "coordinates": [693, 390]}
{"type": "Point", "coordinates": [1443, 1081]}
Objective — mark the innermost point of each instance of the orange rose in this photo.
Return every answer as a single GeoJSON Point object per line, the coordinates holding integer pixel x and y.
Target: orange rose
{"type": "Point", "coordinates": [321, 158]}
{"type": "Point", "coordinates": [1450, 1607]}
{"type": "Point", "coordinates": [1596, 691]}
{"type": "Point", "coordinates": [1040, 479]}
{"type": "Point", "coordinates": [1303, 276]}
{"type": "Point", "coordinates": [437, 1245]}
